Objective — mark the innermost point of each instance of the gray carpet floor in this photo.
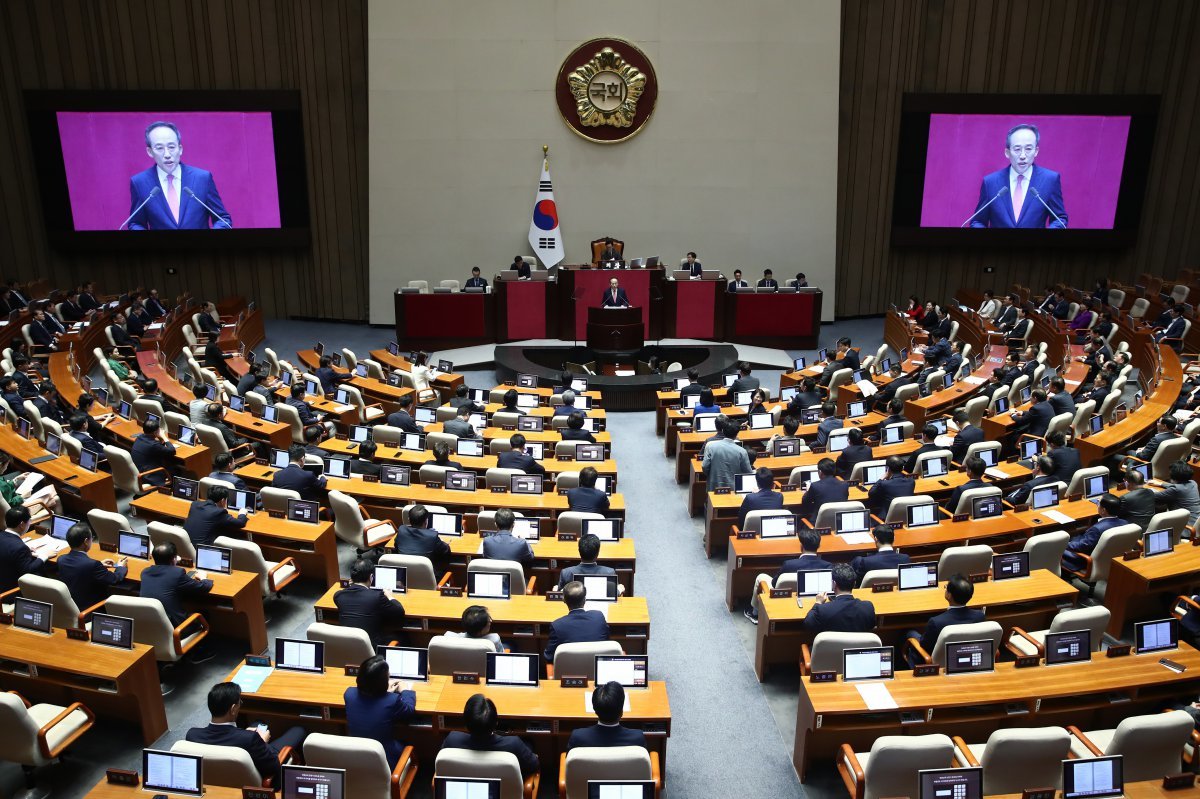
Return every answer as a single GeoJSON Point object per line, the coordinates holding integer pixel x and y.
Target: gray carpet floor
{"type": "Point", "coordinates": [730, 734]}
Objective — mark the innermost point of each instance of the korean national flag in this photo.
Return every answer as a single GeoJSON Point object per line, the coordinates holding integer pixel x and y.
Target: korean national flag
{"type": "Point", "coordinates": [545, 235]}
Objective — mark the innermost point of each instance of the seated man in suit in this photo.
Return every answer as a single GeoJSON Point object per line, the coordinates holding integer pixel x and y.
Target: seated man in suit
{"type": "Point", "coordinates": [169, 583]}
{"type": "Point", "coordinates": [79, 431]}
{"type": "Point", "coordinates": [477, 626]}
{"type": "Point", "coordinates": [516, 458]}
{"type": "Point", "coordinates": [589, 551]}
{"type": "Point", "coordinates": [829, 422]}
{"type": "Point", "coordinates": [208, 519]}
{"type": "Point", "coordinates": [579, 625]}
{"type": "Point", "coordinates": [888, 392]}
{"type": "Point", "coordinates": [214, 417]}
{"type": "Point", "coordinates": [521, 267]}
{"type": "Point", "coordinates": [845, 357]}
{"type": "Point", "coordinates": [615, 296]}
{"type": "Point", "coordinates": [152, 452]}
{"type": "Point", "coordinates": [1036, 420]}
{"type": "Point", "coordinates": [736, 283]}
{"type": "Point", "coordinates": [214, 358]}
{"type": "Point", "coordinates": [693, 266]}
{"type": "Point", "coordinates": [402, 418]}
{"type": "Point", "coordinates": [1020, 329]}
{"type": "Point", "coordinates": [475, 281]}
{"type": "Point", "coordinates": [1083, 543]}
{"type": "Point", "coordinates": [609, 251]}
{"type": "Point", "coordinates": [90, 581]}
{"type": "Point", "coordinates": [768, 280]}
{"type": "Point", "coordinates": [1065, 458]}
{"type": "Point", "coordinates": [503, 545]}
{"type": "Point", "coordinates": [808, 560]}
{"type": "Point", "coordinates": [15, 558]}
{"type": "Point", "coordinates": [959, 591]}
{"type": "Point", "coordinates": [377, 704]}
{"type": "Point", "coordinates": [459, 425]}
{"type": "Point", "coordinates": [364, 463]}
{"type": "Point", "coordinates": [1138, 504]}
{"type": "Point", "coordinates": [1042, 474]}
{"type": "Point", "coordinates": [1174, 329]}
{"type": "Point", "coordinates": [369, 609]}
{"type": "Point", "coordinates": [974, 467]}
{"type": "Point", "coordinates": [967, 435]}
{"type": "Point", "coordinates": [1059, 398]}
{"type": "Point", "coordinates": [224, 704]}
{"type": "Point", "coordinates": [297, 400]}
{"type": "Point", "coordinates": [462, 396]}
{"type": "Point", "coordinates": [417, 538]}
{"type": "Point", "coordinates": [857, 452]}
{"type": "Point", "coordinates": [745, 381]}
{"type": "Point", "coordinates": [441, 457]}
{"type": "Point", "coordinates": [481, 720]}
{"type": "Point", "coordinates": [826, 488]}
{"type": "Point", "coordinates": [1166, 430]}
{"type": "Point", "coordinates": [842, 612]}
{"type": "Point", "coordinates": [765, 498]}
{"type": "Point", "coordinates": [694, 385]}
{"type": "Point", "coordinates": [587, 498]}
{"type": "Point", "coordinates": [154, 305]}
{"type": "Point", "coordinates": [209, 320]}
{"type": "Point", "coordinates": [1181, 492]}
{"type": "Point", "coordinates": [43, 332]}
{"type": "Point", "coordinates": [608, 701]}
{"type": "Point", "coordinates": [120, 334]}
{"type": "Point", "coordinates": [223, 470]}
{"type": "Point", "coordinates": [806, 397]}
{"type": "Point", "coordinates": [330, 378]}
{"type": "Point", "coordinates": [895, 410]}
{"type": "Point", "coordinates": [885, 555]}
{"type": "Point", "coordinates": [568, 404]}
{"type": "Point", "coordinates": [895, 483]}
{"type": "Point", "coordinates": [295, 477]}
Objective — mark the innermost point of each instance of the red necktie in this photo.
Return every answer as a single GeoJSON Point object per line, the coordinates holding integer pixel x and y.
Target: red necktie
{"type": "Point", "coordinates": [173, 197]}
{"type": "Point", "coordinates": [1019, 197]}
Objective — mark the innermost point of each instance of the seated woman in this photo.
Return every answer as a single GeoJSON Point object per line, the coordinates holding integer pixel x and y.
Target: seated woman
{"type": "Point", "coordinates": [20, 490]}
{"type": "Point", "coordinates": [376, 704]}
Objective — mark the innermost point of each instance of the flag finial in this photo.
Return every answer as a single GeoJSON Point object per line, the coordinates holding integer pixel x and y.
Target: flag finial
{"type": "Point", "coordinates": [545, 150]}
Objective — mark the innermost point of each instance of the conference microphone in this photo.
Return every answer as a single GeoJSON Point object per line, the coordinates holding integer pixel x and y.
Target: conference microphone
{"type": "Point", "coordinates": [154, 193]}
{"type": "Point", "coordinates": [188, 191]}
{"type": "Point", "coordinates": [1038, 194]}
{"type": "Point", "coordinates": [999, 194]}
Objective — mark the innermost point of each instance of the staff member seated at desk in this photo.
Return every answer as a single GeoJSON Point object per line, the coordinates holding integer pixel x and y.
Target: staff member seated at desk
{"type": "Point", "coordinates": [974, 467]}
{"type": "Point", "coordinates": [1181, 492]}
{"type": "Point", "coordinates": [152, 452]}
{"type": "Point", "coordinates": [615, 296]}
{"type": "Point", "coordinates": [375, 704]}
{"type": "Point", "coordinates": [402, 418]}
{"type": "Point", "coordinates": [589, 551]}
{"type": "Point", "coordinates": [365, 608]}
{"type": "Point", "coordinates": [959, 591]}
{"type": "Point", "coordinates": [693, 267]}
{"type": "Point", "coordinates": [503, 545]}
{"type": "Point", "coordinates": [167, 582]}
{"type": "Point", "coordinates": [441, 457]}
{"type": "Point", "coordinates": [586, 498]}
{"type": "Point", "coordinates": [885, 555]}
{"type": "Point", "coordinates": [522, 268]}
{"type": "Point", "coordinates": [459, 426]}
{"type": "Point", "coordinates": [295, 477]}
{"type": "Point", "coordinates": [208, 519]}
{"type": "Point", "coordinates": [608, 701]}
{"type": "Point", "coordinates": [842, 612]}
{"type": "Point", "coordinates": [481, 720]}
{"type": "Point", "coordinates": [510, 403]}
{"type": "Point", "coordinates": [516, 458]}
{"type": "Point", "coordinates": [765, 498]}
{"type": "Point", "coordinates": [829, 422]}
{"type": "Point", "coordinates": [574, 430]}
{"type": "Point", "coordinates": [1085, 542]}
{"type": "Point", "coordinates": [855, 452]}
{"type": "Point", "coordinates": [706, 404]}
{"type": "Point", "coordinates": [417, 538]}
{"type": "Point", "coordinates": [477, 626]}
{"type": "Point", "coordinates": [224, 704]}
{"type": "Point", "coordinates": [827, 488]}
{"type": "Point", "coordinates": [475, 281]}
{"type": "Point", "coordinates": [768, 280]}
{"type": "Point", "coordinates": [895, 483]}
{"type": "Point", "coordinates": [809, 560]}
{"type": "Point", "coordinates": [1043, 473]}
{"type": "Point", "coordinates": [745, 381]}
{"type": "Point", "coordinates": [579, 625]}
{"type": "Point", "coordinates": [737, 282]}
{"type": "Point", "coordinates": [88, 580]}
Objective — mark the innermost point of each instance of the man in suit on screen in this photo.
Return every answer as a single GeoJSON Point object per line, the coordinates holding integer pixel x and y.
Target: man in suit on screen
{"type": "Point", "coordinates": [182, 189]}
{"type": "Point", "coordinates": [1025, 196]}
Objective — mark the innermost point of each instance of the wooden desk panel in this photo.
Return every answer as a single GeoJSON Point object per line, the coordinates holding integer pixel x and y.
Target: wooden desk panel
{"type": "Point", "coordinates": [1147, 587]}
{"type": "Point", "coordinates": [79, 489]}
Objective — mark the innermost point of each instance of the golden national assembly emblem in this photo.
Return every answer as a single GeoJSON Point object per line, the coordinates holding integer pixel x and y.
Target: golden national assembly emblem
{"type": "Point", "coordinates": [606, 90]}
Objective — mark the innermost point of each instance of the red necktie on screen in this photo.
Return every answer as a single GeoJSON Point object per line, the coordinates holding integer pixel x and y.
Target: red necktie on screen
{"type": "Point", "coordinates": [173, 197]}
{"type": "Point", "coordinates": [1018, 197]}
{"type": "Point", "coordinates": [614, 295]}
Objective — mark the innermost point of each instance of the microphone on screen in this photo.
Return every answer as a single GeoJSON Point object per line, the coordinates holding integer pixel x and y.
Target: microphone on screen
{"type": "Point", "coordinates": [188, 191]}
{"type": "Point", "coordinates": [157, 190]}
{"type": "Point", "coordinates": [999, 194]}
{"type": "Point", "coordinates": [1038, 194]}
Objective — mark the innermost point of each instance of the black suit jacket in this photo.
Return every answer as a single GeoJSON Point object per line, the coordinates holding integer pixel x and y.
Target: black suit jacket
{"type": "Point", "coordinates": [1020, 495]}
{"type": "Point", "coordinates": [360, 466]}
{"type": "Point", "coordinates": [604, 735]}
{"type": "Point", "coordinates": [587, 500]}
{"type": "Point", "coordinates": [608, 301]}
{"type": "Point", "coordinates": [888, 559]}
{"type": "Point", "coordinates": [843, 613]}
{"type": "Point", "coordinates": [207, 521]}
{"type": "Point", "coordinates": [402, 420]}
{"type": "Point", "coordinates": [888, 392]}
{"type": "Point", "coordinates": [948, 617]}
{"type": "Point", "coordinates": [41, 334]}
{"type": "Point", "coordinates": [805, 563]}
{"type": "Point", "coordinates": [297, 478]}
{"type": "Point", "coordinates": [151, 453]}
{"type": "Point", "coordinates": [963, 439]}
{"type": "Point", "coordinates": [957, 493]}
{"type": "Point", "coordinates": [880, 497]}
{"type": "Point", "coordinates": [266, 762]}
{"type": "Point", "coordinates": [421, 541]}
{"type": "Point", "coordinates": [496, 743]}
{"type": "Point", "coordinates": [506, 546]}
{"type": "Point", "coordinates": [170, 585]}
{"type": "Point", "coordinates": [214, 358]}
{"type": "Point", "coordinates": [827, 489]}
{"type": "Point", "coordinates": [368, 609]}
{"type": "Point", "coordinates": [1037, 419]}
{"type": "Point", "coordinates": [849, 457]}
{"type": "Point", "coordinates": [87, 579]}
{"type": "Point", "coordinates": [1062, 402]}
{"type": "Point", "coordinates": [768, 499]}
{"type": "Point", "coordinates": [1066, 463]}
{"type": "Point", "coordinates": [229, 477]}
{"type": "Point", "coordinates": [16, 560]}
{"type": "Point", "coordinates": [578, 626]}
{"type": "Point", "coordinates": [519, 460]}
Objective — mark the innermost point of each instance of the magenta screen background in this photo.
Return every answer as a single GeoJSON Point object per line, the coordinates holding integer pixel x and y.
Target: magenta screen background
{"type": "Point", "coordinates": [102, 150]}
{"type": "Point", "coordinates": [1088, 152]}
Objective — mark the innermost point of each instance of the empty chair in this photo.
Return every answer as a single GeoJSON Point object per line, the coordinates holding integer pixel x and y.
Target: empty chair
{"type": "Point", "coordinates": [1012, 760]}
{"type": "Point", "coordinates": [107, 525]}
{"type": "Point", "coordinates": [828, 512]}
{"type": "Point", "coordinates": [1152, 745]}
{"type": "Point", "coordinates": [486, 520]}
{"type": "Point", "coordinates": [890, 768]}
{"type": "Point", "coordinates": [365, 762]}
{"type": "Point", "coordinates": [497, 476]}
{"type": "Point", "coordinates": [1173, 520]}
{"type": "Point", "coordinates": [367, 414]}
{"type": "Point", "coordinates": [957, 632]}
{"type": "Point", "coordinates": [54, 592]}
{"type": "Point", "coordinates": [276, 499]}
{"type": "Point", "coordinates": [152, 627]}
{"type": "Point", "coordinates": [226, 766]}
{"type": "Point", "coordinates": [162, 533]}
{"type": "Point", "coordinates": [352, 525]}
{"type": "Point", "coordinates": [579, 659]}
{"type": "Point", "coordinates": [35, 735]}
{"type": "Point", "coordinates": [449, 439]}
{"type": "Point", "coordinates": [289, 416]}
{"type": "Point", "coordinates": [968, 497]}
{"type": "Point", "coordinates": [498, 445]}
{"type": "Point", "coordinates": [754, 519]}
{"type": "Point", "coordinates": [420, 285]}
{"type": "Point", "coordinates": [420, 574]}
{"type": "Point", "coordinates": [566, 479]}
{"type": "Point", "coordinates": [516, 574]}
{"type": "Point", "coordinates": [126, 478]}
{"type": "Point", "coordinates": [1046, 550]}
{"type": "Point", "coordinates": [1139, 307]}
{"type": "Point", "coordinates": [142, 406]}
{"type": "Point", "coordinates": [906, 393]}
{"type": "Point", "coordinates": [572, 521]}
{"type": "Point", "coordinates": [247, 556]}
{"type": "Point", "coordinates": [1116, 298]}
{"type": "Point", "coordinates": [487, 765]}
{"type": "Point", "coordinates": [898, 509]}
{"type": "Point", "coordinates": [343, 645]}
{"type": "Point", "coordinates": [1095, 619]}
{"type": "Point", "coordinates": [448, 654]}
{"type": "Point", "coordinates": [965, 560]}
{"type": "Point", "coordinates": [876, 576]}
{"type": "Point", "coordinates": [839, 378]}
{"type": "Point", "coordinates": [1079, 479]}
{"type": "Point", "coordinates": [585, 763]}
{"type": "Point", "coordinates": [826, 651]}
{"type": "Point", "coordinates": [431, 473]}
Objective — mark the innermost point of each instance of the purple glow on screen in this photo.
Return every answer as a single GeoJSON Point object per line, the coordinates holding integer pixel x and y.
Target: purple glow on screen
{"type": "Point", "coordinates": [1088, 152]}
{"type": "Point", "coordinates": [102, 150]}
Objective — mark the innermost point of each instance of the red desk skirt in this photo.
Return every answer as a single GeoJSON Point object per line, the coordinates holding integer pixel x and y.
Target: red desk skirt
{"type": "Point", "coordinates": [774, 314]}
{"type": "Point", "coordinates": [427, 313]}
{"type": "Point", "coordinates": [594, 282]}
{"type": "Point", "coordinates": [694, 308]}
{"type": "Point", "coordinates": [525, 311]}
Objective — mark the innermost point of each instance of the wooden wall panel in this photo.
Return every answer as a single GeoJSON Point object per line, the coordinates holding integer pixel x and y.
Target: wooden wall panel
{"type": "Point", "coordinates": [314, 46]}
{"type": "Point", "coordinates": [890, 47]}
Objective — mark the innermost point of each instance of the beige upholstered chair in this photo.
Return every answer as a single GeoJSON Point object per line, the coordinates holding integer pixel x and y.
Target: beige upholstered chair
{"type": "Point", "coordinates": [1152, 745]}
{"type": "Point", "coordinates": [1046, 550]}
{"type": "Point", "coordinates": [162, 533]}
{"type": "Point", "coordinates": [579, 659]}
{"type": "Point", "coordinates": [965, 560]}
{"type": "Point", "coordinates": [825, 654]}
{"type": "Point", "coordinates": [343, 645]}
{"type": "Point", "coordinates": [35, 735]}
{"type": "Point", "coordinates": [1014, 759]}
{"type": "Point", "coordinates": [1094, 619]}
{"type": "Point", "coordinates": [225, 766]}
{"type": "Point", "coordinates": [448, 654]}
{"type": "Point", "coordinates": [365, 762]}
{"type": "Point", "coordinates": [890, 768]}
{"type": "Point", "coordinates": [954, 633]}
{"type": "Point", "coordinates": [419, 570]}
{"type": "Point", "coordinates": [107, 525]}
{"type": "Point", "coordinates": [585, 763]}
{"type": "Point", "coordinates": [152, 627]}
{"type": "Point", "coordinates": [247, 556]}
{"type": "Point", "coordinates": [352, 525]}
{"type": "Point", "coordinates": [572, 521]}
{"type": "Point", "coordinates": [487, 765]}
{"type": "Point", "coordinates": [516, 574]}
{"type": "Point", "coordinates": [65, 613]}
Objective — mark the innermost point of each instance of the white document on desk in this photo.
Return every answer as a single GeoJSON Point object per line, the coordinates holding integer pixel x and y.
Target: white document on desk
{"type": "Point", "coordinates": [876, 696]}
{"type": "Point", "coordinates": [856, 538]}
{"type": "Point", "coordinates": [1058, 516]}
{"type": "Point", "coordinates": [996, 472]}
{"type": "Point", "coordinates": [867, 388]}
{"type": "Point", "coordinates": [974, 380]}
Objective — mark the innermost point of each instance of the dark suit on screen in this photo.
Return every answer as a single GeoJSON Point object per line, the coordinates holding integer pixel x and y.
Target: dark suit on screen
{"type": "Point", "coordinates": [999, 214]}
{"type": "Point", "coordinates": [156, 214]}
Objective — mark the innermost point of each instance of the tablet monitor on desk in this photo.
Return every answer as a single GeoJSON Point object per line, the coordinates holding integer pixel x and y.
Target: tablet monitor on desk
{"type": "Point", "coordinates": [787, 393]}
{"type": "Point", "coordinates": [807, 476]}
{"type": "Point", "coordinates": [469, 447]}
{"type": "Point", "coordinates": [856, 409]}
{"type": "Point", "coordinates": [1026, 394]}
{"type": "Point", "coordinates": [526, 528]}
{"type": "Point", "coordinates": [917, 575]}
{"type": "Point", "coordinates": [486, 585]}
{"type": "Point", "coordinates": [88, 460]}
{"type": "Point", "coordinates": [101, 395]}
{"type": "Point", "coordinates": [53, 443]}
{"type": "Point", "coordinates": [729, 380]}
{"type": "Point", "coordinates": [1156, 542]}
{"type": "Point", "coordinates": [214, 559]}
{"type": "Point", "coordinates": [706, 423]}
{"type": "Point", "coordinates": [406, 662]}
{"type": "Point", "coordinates": [531, 424]}
{"type": "Point", "coordinates": [31, 615]}
{"type": "Point", "coordinates": [606, 483]}
{"type": "Point", "coordinates": [279, 459]}
{"type": "Point", "coordinates": [512, 668]}
{"type": "Point", "coordinates": [921, 515]}
{"type": "Point", "coordinates": [535, 449]}
{"type": "Point", "coordinates": [680, 382]}
{"type": "Point", "coordinates": [892, 434]}
{"type": "Point", "coordinates": [873, 474]}
{"type": "Point", "coordinates": [525, 484]}
{"type": "Point", "coordinates": [851, 521]}
{"type": "Point", "coordinates": [761, 421]}
{"type": "Point", "coordinates": [460, 481]}
{"type": "Point", "coordinates": [947, 380]}
{"type": "Point", "coordinates": [313, 388]}
{"type": "Point", "coordinates": [526, 381]}
{"type": "Point", "coordinates": [337, 467]}
{"type": "Point", "coordinates": [1073, 646]}
{"type": "Point", "coordinates": [237, 403]}
{"type": "Point", "coordinates": [1156, 636]}
{"type": "Point", "coordinates": [987, 507]}
{"type": "Point", "coordinates": [424, 415]}
{"type": "Point", "coordinates": [600, 587]}
{"type": "Point", "coordinates": [604, 529]}
{"type": "Point", "coordinates": [527, 400]}
{"type": "Point", "coordinates": [466, 788]}
{"type": "Point", "coordinates": [133, 545]}
{"type": "Point", "coordinates": [303, 510]}
{"type": "Point", "coordinates": [777, 526]}
{"type": "Point", "coordinates": [837, 441]}
{"type": "Point", "coordinates": [187, 435]}
{"type": "Point", "coordinates": [691, 401]}
{"type": "Point", "coordinates": [172, 772]}
{"type": "Point", "coordinates": [395, 475]}
{"type": "Point", "coordinates": [871, 663]}
{"type": "Point", "coordinates": [1095, 486]}
{"type": "Point", "coordinates": [413, 442]}
{"type": "Point", "coordinates": [1000, 405]}
{"type": "Point", "coordinates": [446, 523]}
{"type": "Point", "coordinates": [125, 410]}
{"type": "Point", "coordinates": [295, 654]}
{"type": "Point", "coordinates": [114, 631]}
{"type": "Point", "coordinates": [631, 671]}
{"type": "Point", "coordinates": [817, 581]}
{"type": "Point", "coordinates": [1044, 497]}
{"type": "Point", "coordinates": [951, 783]}
{"type": "Point", "coordinates": [1010, 565]}
{"type": "Point", "coordinates": [1093, 777]}
{"type": "Point", "coordinates": [799, 364]}
{"type": "Point", "coordinates": [342, 397]}
{"type": "Point", "coordinates": [590, 453]}
{"type": "Point", "coordinates": [478, 395]}
{"type": "Point", "coordinates": [390, 578]}
{"type": "Point", "coordinates": [59, 525]}
{"type": "Point", "coordinates": [785, 447]}
{"type": "Point", "coordinates": [1030, 448]}
{"type": "Point", "coordinates": [270, 413]}
{"type": "Point", "coordinates": [966, 657]}
{"type": "Point", "coordinates": [579, 385]}
{"type": "Point", "coordinates": [935, 467]}
{"type": "Point", "coordinates": [620, 789]}
{"type": "Point", "coordinates": [745, 483]}
{"type": "Point", "coordinates": [285, 377]}
{"type": "Point", "coordinates": [1096, 424]}
{"type": "Point", "coordinates": [743, 397]}
{"type": "Point", "coordinates": [309, 782]}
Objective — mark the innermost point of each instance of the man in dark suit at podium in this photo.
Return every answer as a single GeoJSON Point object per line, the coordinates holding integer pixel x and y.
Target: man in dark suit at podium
{"type": "Point", "coordinates": [609, 253]}
{"type": "Point", "coordinates": [693, 266]}
{"type": "Point", "coordinates": [615, 296]}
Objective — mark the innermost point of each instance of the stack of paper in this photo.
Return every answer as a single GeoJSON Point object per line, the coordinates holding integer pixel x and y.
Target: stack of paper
{"type": "Point", "coordinates": [251, 678]}
{"type": "Point", "coordinates": [867, 388]}
{"type": "Point", "coordinates": [876, 696]}
{"type": "Point", "coordinates": [856, 538]}
{"type": "Point", "coordinates": [1058, 516]}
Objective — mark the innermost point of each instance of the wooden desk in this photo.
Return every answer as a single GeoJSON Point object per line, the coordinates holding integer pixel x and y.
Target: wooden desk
{"type": "Point", "coordinates": [79, 489]}
{"type": "Point", "coordinates": [676, 415]}
{"type": "Point", "coordinates": [372, 390]}
{"type": "Point", "coordinates": [1029, 603]}
{"type": "Point", "coordinates": [313, 546]}
{"type": "Point", "coordinates": [550, 556]}
{"type": "Point", "coordinates": [1146, 587]}
{"type": "Point", "coordinates": [103, 790]}
{"type": "Point", "coordinates": [547, 437]}
{"type": "Point", "coordinates": [975, 705]}
{"type": "Point", "coordinates": [522, 622]}
{"type": "Point", "coordinates": [115, 683]}
{"type": "Point", "coordinates": [196, 459]}
{"type": "Point", "coordinates": [665, 399]}
{"type": "Point", "coordinates": [1117, 437]}
{"type": "Point", "coordinates": [444, 383]}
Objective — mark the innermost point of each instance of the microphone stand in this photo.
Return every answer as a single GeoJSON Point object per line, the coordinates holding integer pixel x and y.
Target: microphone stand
{"type": "Point", "coordinates": [1038, 194]}
{"type": "Point", "coordinates": [154, 193]}
{"type": "Point", "coordinates": [188, 191]}
{"type": "Point", "coordinates": [1000, 193]}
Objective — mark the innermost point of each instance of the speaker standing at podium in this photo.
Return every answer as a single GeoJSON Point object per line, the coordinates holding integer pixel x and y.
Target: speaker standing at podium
{"type": "Point", "coordinates": [615, 296]}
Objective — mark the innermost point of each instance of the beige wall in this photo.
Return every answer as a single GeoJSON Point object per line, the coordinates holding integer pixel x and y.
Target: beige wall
{"type": "Point", "coordinates": [739, 162]}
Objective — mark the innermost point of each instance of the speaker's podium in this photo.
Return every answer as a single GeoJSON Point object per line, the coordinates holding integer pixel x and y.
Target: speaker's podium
{"type": "Point", "coordinates": [615, 331]}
